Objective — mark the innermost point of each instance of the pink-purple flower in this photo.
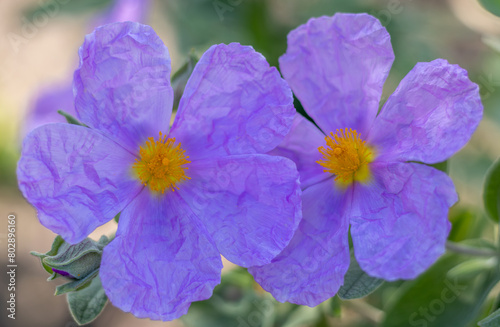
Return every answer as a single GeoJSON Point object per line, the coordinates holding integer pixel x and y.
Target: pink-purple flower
{"type": "Point", "coordinates": [361, 170]}
{"type": "Point", "coordinates": [205, 187]}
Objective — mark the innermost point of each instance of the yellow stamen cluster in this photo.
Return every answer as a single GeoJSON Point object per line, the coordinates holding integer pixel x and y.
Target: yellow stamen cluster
{"type": "Point", "coordinates": [346, 156]}
{"type": "Point", "coordinates": [160, 165]}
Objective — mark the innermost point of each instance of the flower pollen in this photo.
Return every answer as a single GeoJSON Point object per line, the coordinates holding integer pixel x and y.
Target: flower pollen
{"type": "Point", "coordinates": [161, 164]}
{"type": "Point", "coordinates": [346, 156]}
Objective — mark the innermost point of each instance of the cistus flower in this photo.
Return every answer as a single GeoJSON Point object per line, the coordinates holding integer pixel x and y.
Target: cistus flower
{"type": "Point", "coordinates": [60, 97]}
{"type": "Point", "coordinates": [364, 170]}
{"type": "Point", "coordinates": [186, 196]}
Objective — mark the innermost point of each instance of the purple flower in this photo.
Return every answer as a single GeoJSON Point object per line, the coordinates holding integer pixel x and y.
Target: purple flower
{"type": "Point", "coordinates": [366, 173]}
{"type": "Point", "coordinates": [186, 196]}
{"type": "Point", "coordinates": [60, 97]}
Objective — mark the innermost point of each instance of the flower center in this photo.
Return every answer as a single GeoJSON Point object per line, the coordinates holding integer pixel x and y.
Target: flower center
{"type": "Point", "coordinates": [346, 156]}
{"type": "Point", "coordinates": [161, 164]}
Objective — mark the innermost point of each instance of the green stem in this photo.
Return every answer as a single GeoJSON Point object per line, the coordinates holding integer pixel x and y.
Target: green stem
{"type": "Point", "coordinates": [468, 250]}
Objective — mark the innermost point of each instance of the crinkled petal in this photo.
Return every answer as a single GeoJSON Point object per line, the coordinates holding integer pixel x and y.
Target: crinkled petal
{"type": "Point", "coordinates": [76, 178]}
{"type": "Point", "coordinates": [311, 269]}
{"type": "Point", "coordinates": [250, 204]}
{"type": "Point", "coordinates": [431, 115]}
{"type": "Point", "coordinates": [337, 66]}
{"type": "Point", "coordinates": [233, 103]}
{"type": "Point", "coordinates": [161, 260]}
{"type": "Point", "coordinates": [301, 146]}
{"type": "Point", "coordinates": [122, 86]}
{"type": "Point", "coordinates": [399, 222]}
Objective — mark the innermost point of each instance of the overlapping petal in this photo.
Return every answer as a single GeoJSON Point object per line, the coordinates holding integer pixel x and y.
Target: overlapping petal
{"type": "Point", "coordinates": [250, 204]}
{"type": "Point", "coordinates": [161, 260]}
{"type": "Point", "coordinates": [233, 103]}
{"type": "Point", "coordinates": [430, 116]}
{"type": "Point", "coordinates": [76, 178]}
{"type": "Point", "coordinates": [301, 145]}
{"type": "Point", "coordinates": [337, 67]}
{"type": "Point", "coordinates": [399, 222]}
{"type": "Point", "coordinates": [122, 86]}
{"type": "Point", "coordinates": [60, 97]}
{"type": "Point", "coordinates": [311, 269]}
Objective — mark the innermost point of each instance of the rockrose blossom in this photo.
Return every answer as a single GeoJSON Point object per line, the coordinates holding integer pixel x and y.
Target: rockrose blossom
{"type": "Point", "coordinates": [60, 97]}
{"type": "Point", "coordinates": [186, 196]}
{"type": "Point", "coordinates": [364, 170]}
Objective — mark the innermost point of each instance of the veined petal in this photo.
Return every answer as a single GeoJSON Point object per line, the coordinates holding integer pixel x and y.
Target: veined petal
{"type": "Point", "coordinates": [122, 86]}
{"type": "Point", "coordinates": [431, 115]}
{"type": "Point", "coordinates": [311, 269]}
{"type": "Point", "coordinates": [337, 66]}
{"type": "Point", "coordinates": [161, 260]}
{"type": "Point", "coordinates": [250, 204]}
{"type": "Point", "coordinates": [301, 146]}
{"type": "Point", "coordinates": [76, 178]}
{"type": "Point", "coordinates": [399, 222]}
{"type": "Point", "coordinates": [233, 103]}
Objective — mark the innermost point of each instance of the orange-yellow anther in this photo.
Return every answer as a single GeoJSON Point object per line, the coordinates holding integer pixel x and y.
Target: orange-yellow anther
{"type": "Point", "coordinates": [346, 156]}
{"type": "Point", "coordinates": [161, 164]}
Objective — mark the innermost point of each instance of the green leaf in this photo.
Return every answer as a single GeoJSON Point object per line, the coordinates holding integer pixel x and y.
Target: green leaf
{"type": "Point", "coordinates": [70, 119]}
{"type": "Point", "coordinates": [493, 6]}
{"type": "Point", "coordinates": [76, 284]}
{"type": "Point", "coordinates": [56, 244]}
{"type": "Point", "coordinates": [335, 306]}
{"type": "Point", "coordinates": [117, 217]}
{"type": "Point", "coordinates": [103, 241]}
{"type": "Point", "coordinates": [180, 77]}
{"type": "Point", "coordinates": [471, 268]}
{"type": "Point", "coordinates": [493, 320]}
{"type": "Point", "coordinates": [78, 267]}
{"type": "Point", "coordinates": [77, 260]}
{"type": "Point", "coordinates": [435, 300]}
{"type": "Point", "coordinates": [491, 191]}
{"type": "Point", "coordinates": [357, 283]}
{"type": "Point", "coordinates": [443, 166]}
{"type": "Point", "coordinates": [462, 223]}
{"type": "Point", "coordinates": [85, 305]}
{"type": "Point", "coordinates": [74, 261]}
{"type": "Point", "coordinates": [235, 302]}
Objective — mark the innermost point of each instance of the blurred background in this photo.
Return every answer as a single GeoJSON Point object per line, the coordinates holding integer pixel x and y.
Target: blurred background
{"type": "Point", "coordinates": [38, 54]}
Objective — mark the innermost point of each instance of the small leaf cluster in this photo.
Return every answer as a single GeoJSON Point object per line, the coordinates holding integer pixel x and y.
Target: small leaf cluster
{"type": "Point", "coordinates": [79, 265]}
